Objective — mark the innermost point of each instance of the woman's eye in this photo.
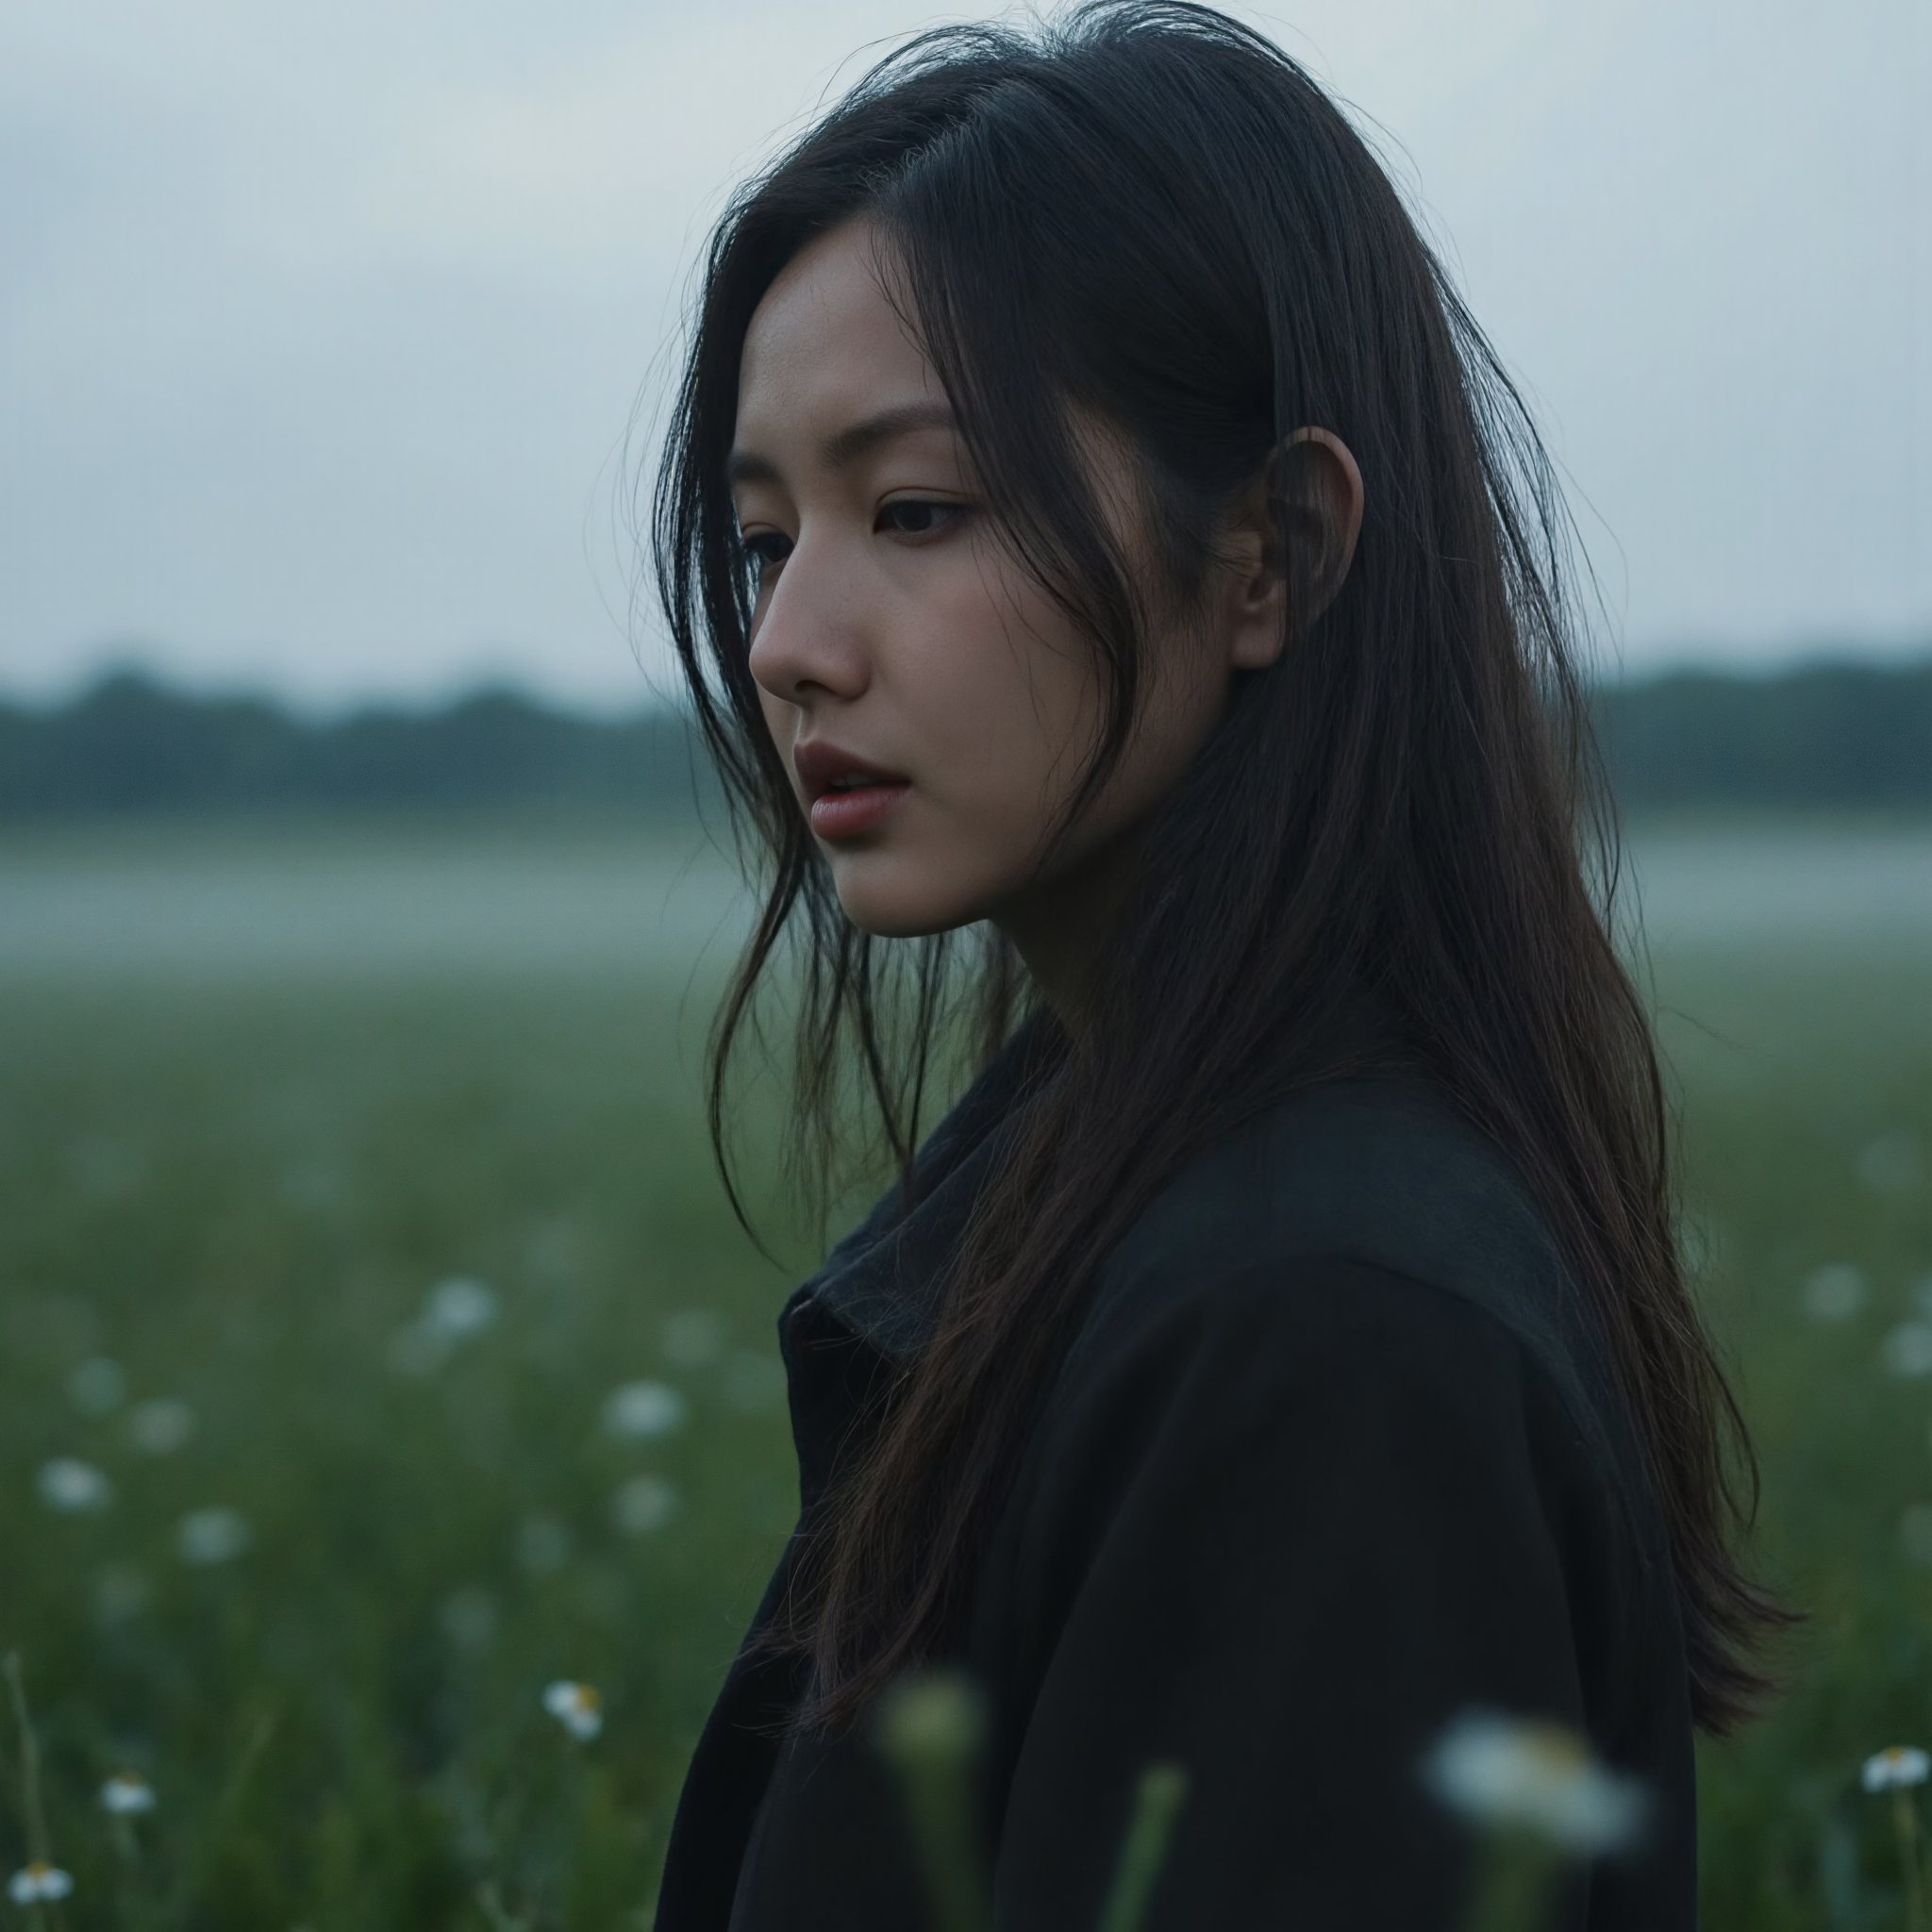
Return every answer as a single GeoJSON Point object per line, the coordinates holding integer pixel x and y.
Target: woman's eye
{"type": "Point", "coordinates": [908, 517]}
{"type": "Point", "coordinates": [922, 517]}
{"type": "Point", "coordinates": [759, 556]}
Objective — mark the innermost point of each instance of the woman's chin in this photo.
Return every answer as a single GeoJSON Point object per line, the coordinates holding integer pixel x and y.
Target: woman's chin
{"type": "Point", "coordinates": [902, 907]}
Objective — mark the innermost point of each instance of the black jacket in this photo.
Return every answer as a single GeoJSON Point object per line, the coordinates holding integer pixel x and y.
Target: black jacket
{"type": "Point", "coordinates": [1333, 1456]}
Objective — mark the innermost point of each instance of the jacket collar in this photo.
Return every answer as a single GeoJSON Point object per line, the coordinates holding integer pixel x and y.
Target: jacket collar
{"type": "Point", "coordinates": [881, 1281]}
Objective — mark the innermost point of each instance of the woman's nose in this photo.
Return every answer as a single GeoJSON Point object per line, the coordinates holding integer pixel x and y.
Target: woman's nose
{"type": "Point", "coordinates": [809, 634]}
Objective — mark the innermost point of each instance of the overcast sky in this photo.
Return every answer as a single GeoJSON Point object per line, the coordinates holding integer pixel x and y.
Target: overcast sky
{"type": "Point", "coordinates": [322, 326]}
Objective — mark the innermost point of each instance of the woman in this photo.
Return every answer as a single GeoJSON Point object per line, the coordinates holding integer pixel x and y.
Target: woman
{"type": "Point", "coordinates": [1093, 530]}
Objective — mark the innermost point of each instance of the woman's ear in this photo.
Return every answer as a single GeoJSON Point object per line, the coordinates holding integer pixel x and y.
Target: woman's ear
{"type": "Point", "coordinates": [1314, 508]}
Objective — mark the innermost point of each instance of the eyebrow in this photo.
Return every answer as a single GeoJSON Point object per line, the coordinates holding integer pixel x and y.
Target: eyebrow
{"type": "Point", "coordinates": [845, 446]}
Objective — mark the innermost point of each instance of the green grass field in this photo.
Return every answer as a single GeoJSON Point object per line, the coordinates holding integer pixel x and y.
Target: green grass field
{"type": "Point", "coordinates": [299, 1534]}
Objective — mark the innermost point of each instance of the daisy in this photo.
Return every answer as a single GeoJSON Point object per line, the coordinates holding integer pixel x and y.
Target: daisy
{"type": "Point", "coordinates": [1896, 1766]}
{"type": "Point", "coordinates": [575, 1706]}
{"type": "Point", "coordinates": [1897, 1769]}
{"type": "Point", "coordinates": [1532, 1774]}
{"type": "Point", "coordinates": [124, 1794]}
{"type": "Point", "coordinates": [1908, 1349]}
{"type": "Point", "coordinates": [644, 1504]}
{"type": "Point", "coordinates": [38, 1881]}
{"type": "Point", "coordinates": [213, 1535]}
{"type": "Point", "coordinates": [68, 1484]}
{"type": "Point", "coordinates": [639, 1411]}
{"type": "Point", "coordinates": [160, 1426]}
{"type": "Point", "coordinates": [459, 1307]}
{"type": "Point", "coordinates": [1835, 1292]}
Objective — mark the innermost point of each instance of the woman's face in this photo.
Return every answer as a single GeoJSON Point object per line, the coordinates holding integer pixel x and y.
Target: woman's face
{"type": "Point", "coordinates": [890, 623]}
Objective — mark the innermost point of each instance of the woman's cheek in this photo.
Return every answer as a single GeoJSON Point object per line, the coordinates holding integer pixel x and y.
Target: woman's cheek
{"type": "Point", "coordinates": [947, 862]}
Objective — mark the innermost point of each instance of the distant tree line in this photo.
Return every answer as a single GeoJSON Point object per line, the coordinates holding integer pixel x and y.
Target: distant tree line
{"type": "Point", "coordinates": [132, 745]}
{"type": "Point", "coordinates": [1837, 735]}
{"type": "Point", "coordinates": [1844, 734]}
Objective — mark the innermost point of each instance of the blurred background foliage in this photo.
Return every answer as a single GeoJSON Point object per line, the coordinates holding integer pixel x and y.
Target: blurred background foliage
{"type": "Point", "coordinates": [1828, 733]}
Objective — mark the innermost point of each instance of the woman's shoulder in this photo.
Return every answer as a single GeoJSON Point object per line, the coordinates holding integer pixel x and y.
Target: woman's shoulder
{"type": "Point", "coordinates": [1339, 1230]}
{"type": "Point", "coordinates": [1340, 1345]}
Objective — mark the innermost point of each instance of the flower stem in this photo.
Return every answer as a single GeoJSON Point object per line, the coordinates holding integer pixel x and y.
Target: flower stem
{"type": "Point", "coordinates": [939, 1804]}
{"type": "Point", "coordinates": [38, 1843]}
{"type": "Point", "coordinates": [1906, 1820]}
{"type": "Point", "coordinates": [122, 1831]}
{"type": "Point", "coordinates": [1512, 1882]}
{"type": "Point", "coordinates": [931, 1732]}
{"type": "Point", "coordinates": [490, 1903]}
{"type": "Point", "coordinates": [29, 1763]}
{"type": "Point", "coordinates": [1156, 1800]}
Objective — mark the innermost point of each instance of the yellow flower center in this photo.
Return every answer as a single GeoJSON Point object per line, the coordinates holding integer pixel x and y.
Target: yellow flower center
{"type": "Point", "coordinates": [1559, 1750]}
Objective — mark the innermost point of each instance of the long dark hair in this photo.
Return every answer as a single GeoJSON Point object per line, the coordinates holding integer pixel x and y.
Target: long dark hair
{"type": "Point", "coordinates": [1145, 210]}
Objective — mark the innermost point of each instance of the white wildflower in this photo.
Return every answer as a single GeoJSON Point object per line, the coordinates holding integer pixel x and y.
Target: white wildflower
{"type": "Point", "coordinates": [68, 1484]}
{"type": "Point", "coordinates": [97, 1385]}
{"type": "Point", "coordinates": [1908, 1350]}
{"type": "Point", "coordinates": [1536, 1775]}
{"type": "Point", "coordinates": [644, 1504]}
{"type": "Point", "coordinates": [458, 1306]}
{"type": "Point", "coordinates": [213, 1535]}
{"type": "Point", "coordinates": [1896, 1766]}
{"type": "Point", "coordinates": [126, 1793]}
{"type": "Point", "coordinates": [160, 1425]}
{"type": "Point", "coordinates": [1696, 1245]}
{"type": "Point", "coordinates": [642, 1409]}
{"type": "Point", "coordinates": [38, 1881]}
{"type": "Point", "coordinates": [1835, 1292]}
{"type": "Point", "coordinates": [575, 1706]}
{"type": "Point", "coordinates": [455, 1309]}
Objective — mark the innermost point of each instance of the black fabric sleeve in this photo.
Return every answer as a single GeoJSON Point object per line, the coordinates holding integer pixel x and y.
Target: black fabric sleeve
{"type": "Point", "coordinates": [1283, 1531]}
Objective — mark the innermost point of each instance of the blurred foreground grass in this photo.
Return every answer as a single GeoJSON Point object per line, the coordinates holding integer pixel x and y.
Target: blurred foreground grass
{"type": "Point", "coordinates": [376, 1350]}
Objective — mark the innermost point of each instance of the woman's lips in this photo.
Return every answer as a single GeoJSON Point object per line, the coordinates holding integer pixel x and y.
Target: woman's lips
{"type": "Point", "coordinates": [839, 814]}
